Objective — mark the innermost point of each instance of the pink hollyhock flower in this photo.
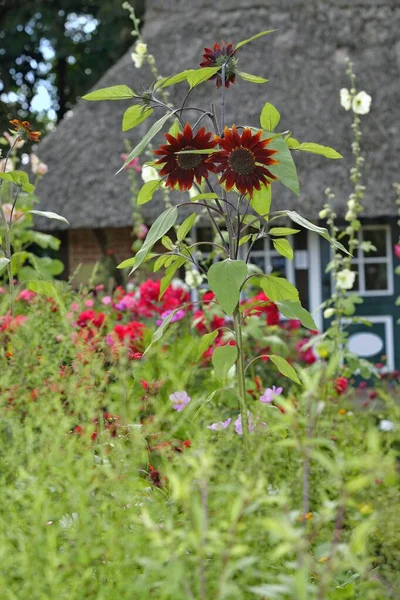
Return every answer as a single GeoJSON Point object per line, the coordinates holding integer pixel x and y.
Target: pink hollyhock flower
{"type": "Point", "coordinates": [270, 394]}
{"type": "Point", "coordinates": [134, 164]}
{"type": "Point", "coordinates": [127, 302]}
{"type": "Point", "coordinates": [397, 250]}
{"type": "Point", "coordinates": [178, 316]}
{"type": "Point", "coordinates": [179, 400]}
{"type": "Point", "coordinates": [106, 300]}
{"type": "Point", "coordinates": [220, 425]}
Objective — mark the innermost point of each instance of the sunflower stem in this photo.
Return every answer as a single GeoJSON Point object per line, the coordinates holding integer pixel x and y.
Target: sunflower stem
{"type": "Point", "coordinates": [223, 98]}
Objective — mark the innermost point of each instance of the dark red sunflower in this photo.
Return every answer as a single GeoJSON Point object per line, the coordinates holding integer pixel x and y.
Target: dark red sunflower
{"type": "Point", "coordinates": [24, 130]}
{"type": "Point", "coordinates": [182, 169]}
{"type": "Point", "coordinates": [244, 159]}
{"type": "Point", "coordinates": [217, 56]}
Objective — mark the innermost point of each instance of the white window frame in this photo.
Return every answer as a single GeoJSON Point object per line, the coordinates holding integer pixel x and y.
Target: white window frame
{"type": "Point", "coordinates": [363, 260]}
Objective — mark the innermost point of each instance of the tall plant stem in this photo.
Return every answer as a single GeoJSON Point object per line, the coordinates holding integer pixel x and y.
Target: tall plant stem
{"type": "Point", "coordinates": [7, 252]}
{"type": "Point", "coordinates": [240, 369]}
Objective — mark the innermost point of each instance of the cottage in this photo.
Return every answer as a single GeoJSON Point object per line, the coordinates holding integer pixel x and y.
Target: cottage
{"type": "Point", "coordinates": [304, 61]}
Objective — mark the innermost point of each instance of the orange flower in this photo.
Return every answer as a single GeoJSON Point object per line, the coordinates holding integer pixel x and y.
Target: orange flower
{"type": "Point", "coordinates": [24, 131]}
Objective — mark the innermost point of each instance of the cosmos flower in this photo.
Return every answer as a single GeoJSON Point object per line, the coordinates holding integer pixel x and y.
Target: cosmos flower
{"type": "Point", "coordinates": [217, 56]}
{"type": "Point", "coordinates": [183, 169]}
{"type": "Point", "coordinates": [244, 159]}
{"type": "Point", "coordinates": [179, 400]}
{"type": "Point", "coordinates": [270, 394]}
{"type": "Point", "coordinates": [24, 130]}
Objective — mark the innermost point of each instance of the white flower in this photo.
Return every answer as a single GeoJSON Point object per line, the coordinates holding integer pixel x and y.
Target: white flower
{"type": "Point", "coordinates": [139, 54]}
{"type": "Point", "coordinates": [386, 425]}
{"type": "Point", "coordinates": [361, 103]}
{"type": "Point", "coordinates": [323, 213]}
{"type": "Point", "coordinates": [345, 279]}
{"type": "Point", "coordinates": [345, 98]}
{"type": "Point", "coordinates": [350, 215]}
{"type": "Point", "coordinates": [149, 173]}
{"type": "Point", "coordinates": [193, 278]}
{"type": "Point", "coordinates": [352, 204]}
{"type": "Point", "coordinates": [329, 312]}
{"type": "Point", "coordinates": [141, 48]}
{"type": "Point", "coordinates": [178, 284]}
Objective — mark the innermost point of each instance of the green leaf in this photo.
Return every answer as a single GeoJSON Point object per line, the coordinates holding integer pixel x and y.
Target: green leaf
{"type": "Point", "coordinates": [130, 262]}
{"type": "Point", "coordinates": [254, 37]}
{"type": "Point", "coordinates": [251, 78]}
{"type": "Point", "coordinates": [137, 151]}
{"type": "Point", "coordinates": [285, 169]}
{"type": "Point", "coordinates": [160, 262]}
{"type": "Point", "coordinates": [185, 227]}
{"type": "Point", "coordinates": [134, 115]}
{"type": "Point", "coordinates": [3, 262]}
{"type": "Point", "coordinates": [44, 240]}
{"type": "Point", "coordinates": [278, 288]}
{"type": "Point", "coordinates": [322, 231]}
{"type": "Point", "coordinates": [197, 76]}
{"type": "Point", "coordinates": [115, 92]}
{"type": "Point", "coordinates": [19, 178]}
{"type": "Point", "coordinates": [292, 309]}
{"type": "Point", "coordinates": [48, 215]}
{"type": "Point", "coordinates": [284, 367]}
{"type": "Point", "coordinates": [316, 149]}
{"type": "Point", "coordinates": [175, 128]}
{"type": "Point", "coordinates": [46, 288]}
{"type": "Point", "coordinates": [281, 231]}
{"type": "Point", "coordinates": [205, 343]}
{"type": "Point", "coordinates": [261, 201]}
{"type": "Point", "coordinates": [171, 80]}
{"type": "Point", "coordinates": [269, 117]}
{"type": "Point", "coordinates": [169, 274]}
{"type": "Point", "coordinates": [225, 279]}
{"type": "Point", "coordinates": [206, 196]}
{"type": "Point", "coordinates": [157, 335]}
{"type": "Point", "coordinates": [223, 359]}
{"type": "Point", "coordinates": [147, 191]}
{"type": "Point", "coordinates": [284, 248]}
{"type": "Point", "coordinates": [160, 227]}
{"type": "Point", "coordinates": [245, 239]}
{"type": "Point", "coordinates": [199, 151]}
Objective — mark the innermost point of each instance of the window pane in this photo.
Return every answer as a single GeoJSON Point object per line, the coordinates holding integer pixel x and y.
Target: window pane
{"type": "Point", "coordinates": [205, 234]}
{"type": "Point", "coordinates": [259, 244]}
{"type": "Point", "coordinates": [278, 264]}
{"type": "Point", "coordinates": [259, 261]}
{"type": "Point", "coordinates": [377, 237]}
{"type": "Point", "coordinates": [300, 240]}
{"type": "Point", "coordinates": [376, 277]}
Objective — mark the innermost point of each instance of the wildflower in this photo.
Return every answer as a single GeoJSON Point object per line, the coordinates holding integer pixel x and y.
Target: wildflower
{"type": "Point", "coordinates": [38, 167]}
{"type": "Point", "coordinates": [139, 54]}
{"type": "Point", "coordinates": [149, 173]}
{"type": "Point", "coordinates": [133, 164]}
{"type": "Point", "coordinates": [220, 425]}
{"type": "Point", "coordinates": [386, 425]}
{"type": "Point", "coordinates": [244, 159]}
{"type": "Point", "coordinates": [250, 423]}
{"type": "Point", "coordinates": [179, 400]}
{"type": "Point", "coordinates": [90, 317]}
{"type": "Point", "coordinates": [24, 130]}
{"type": "Point", "coordinates": [270, 394]}
{"type": "Point", "coordinates": [182, 169]}
{"type": "Point", "coordinates": [106, 300]}
{"type": "Point", "coordinates": [305, 354]}
{"type": "Point", "coordinates": [178, 316]}
{"type": "Point", "coordinates": [361, 103]}
{"type": "Point", "coordinates": [397, 250]}
{"type": "Point", "coordinates": [26, 295]}
{"type": "Point", "coordinates": [345, 279]}
{"type": "Point", "coordinates": [342, 411]}
{"type": "Point", "coordinates": [341, 385]}
{"type": "Point", "coordinates": [345, 98]}
{"type": "Point", "coordinates": [89, 303]}
{"type": "Point", "coordinates": [221, 54]}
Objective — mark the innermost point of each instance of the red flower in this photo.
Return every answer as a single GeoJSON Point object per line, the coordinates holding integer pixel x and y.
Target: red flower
{"type": "Point", "coordinates": [90, 317]}
{"type": "Point", "coordinates": [24, 131]}
{"type": "Point", "coordinates": [244, 159]}
{"type": "Point", "coordinates": [221, 54]}
{"type": "Point", "coordinates": [397, 250]}
{"type": "Point", "coordinates": [208, 297]}
{"type": "Point", "coordinates": [182, 169]}
{"type": "Point", "coordinates": [307, 355]}
{"type": "Point", "coordinates": [341, 385]}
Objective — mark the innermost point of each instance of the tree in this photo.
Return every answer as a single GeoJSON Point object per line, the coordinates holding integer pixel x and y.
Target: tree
{"type": "Point", "coordinates": [65, 46]}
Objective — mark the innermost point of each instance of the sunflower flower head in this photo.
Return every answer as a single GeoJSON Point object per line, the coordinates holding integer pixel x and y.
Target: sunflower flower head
{"type": "Point", "coordinates": [24, 130]}
{"type": "Point", "coordinates": [244, 159]}
{"type": "Point", "coordinates": [183, 169]}
{"type": "Point", "coordinates": [221, 54]}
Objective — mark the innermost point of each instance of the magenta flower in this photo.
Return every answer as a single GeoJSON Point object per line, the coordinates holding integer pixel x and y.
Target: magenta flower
{"type": "Point", "coordinates": [220, 425]}
{"type": "Point", "coordinates": [106, 300]}
{"type": "Point", "coordinates": [178, 316]}
{"type": "Point", "coordinates": [269, 394]}
{"type": "Point", "coordinates": [179, 400]}
{"type": "Point", "coordinates": [397, 250]}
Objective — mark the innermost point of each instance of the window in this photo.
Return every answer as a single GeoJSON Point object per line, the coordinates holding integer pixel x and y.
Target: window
{"type": "Point", "coordinates": [374, 270]}
{"type": "Point", "coordinates": [270, 261]}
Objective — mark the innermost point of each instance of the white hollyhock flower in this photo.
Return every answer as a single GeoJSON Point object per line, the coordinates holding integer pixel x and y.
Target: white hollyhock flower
{"type": "Point", "coordinates": [345, 98]}
{"type": "Point", "coordinates": [329, 312]}
{"type": "Point", "coordinates": [361, 103]}
{"type": "Point", "coordinates": [193, 278]}
{"type": "Point", "coordinates": [149, 173]}
{"type": "Point", "coordinates": [139, 54]}
{"type": "Point", "coordinates": [345, 279]}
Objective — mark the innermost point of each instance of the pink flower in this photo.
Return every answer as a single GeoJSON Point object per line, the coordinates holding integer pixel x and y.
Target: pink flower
{"type": "Point", "coordinates": [74, 307]}
{"type": "Point", "coordinates": [269, 394]}
{"type": "Point", "coordinates": [397, 250]}
{"type": "Point", "coordinates": [141, 231]}
{"type": "Point", "coordinates": [180, 400]}
{"type": "Point", "coordinates": [220, 425]}
{"type": "Point", "coordinates": [99, 288]}
{"type": "Point", "coordinates": [89, 303]}
{"type": "Point", "coordinates": [2, 290]}
{"type": "Point", "coordinates": [134, 164]}
{"type": "Point", "coordinates": [106, 300]}
{"type": "Point", "coordinates": [26, 295]}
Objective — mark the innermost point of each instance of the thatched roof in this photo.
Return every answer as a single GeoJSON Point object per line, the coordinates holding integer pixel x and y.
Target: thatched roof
{"type": "Point", "coordinates": [305, 63]}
